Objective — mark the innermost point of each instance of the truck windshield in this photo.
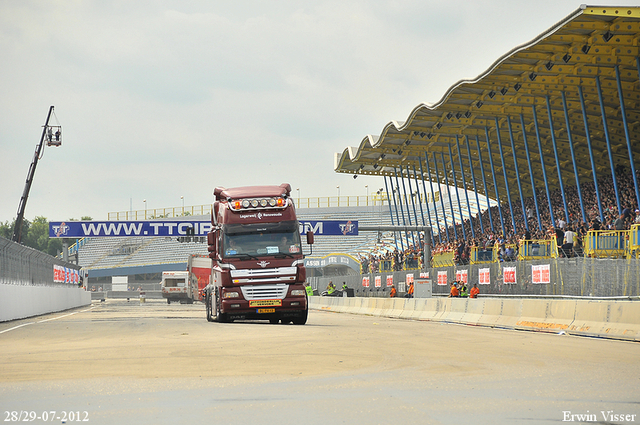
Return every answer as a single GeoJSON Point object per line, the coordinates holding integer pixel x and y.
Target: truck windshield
{"type": "Point", "coordinates": [261, 239]}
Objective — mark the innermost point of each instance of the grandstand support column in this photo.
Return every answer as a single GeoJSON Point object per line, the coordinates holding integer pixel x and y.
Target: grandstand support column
{"type": "Point", "coordinates": [573, 156]}
{"type": "Point", "coordinates": [593, 164]}
{"type": "Point", "coordinates": [533, 182]}
{"type": "Point", "coordinates": [475, 188]}
{"type": "Point", "coordinates": [544, 170]}
{"type": "Point", "coordinates": [626, 132]}
{"type": "Point", "coordinates": [426, 251]}
{"type": "Point", "coordinates": [455, 183]}
{"type": "Point", "coordinates": [495, 182]}
{"type": "Point", "coordinates": [444, 214]}
{"type": "Point", "coordinates": [395, 240]}
{"type": "Point", "coordinates": [415, 176]}
{"type": "Point", "coordinates": [433, 196]}
{"type": "Point", "coordinates": [446, 182]}
{"type": "Point", "coordinates": [424, 189]}
{"type": "Point", "coordinates": [484, 179]}
{"type": "Point", "coordinates": [466, 193]}
{"type": "Point", "coordinates": [515, 163]}
{"type": "Point", "coordinates": [555, 153]}
{"type": "Point", "coordinates": [506, 178]}
{"type": "Point", "coordinates": [413, 205]}
{"type": "Point", "coordinates": [406, 201]}
{"type": "Point", "coordinates": [606, 136]}
{"type": "Point", "coordinates": [404, 223]}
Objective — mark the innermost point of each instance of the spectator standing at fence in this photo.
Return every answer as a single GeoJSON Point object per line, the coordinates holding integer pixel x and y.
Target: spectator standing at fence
{"type": "Point", "coordinates": [474, 291]}
{"type": "Point", "coordinates": [568, 242]}
{"type": "Point", "coordinates": [637, 217]}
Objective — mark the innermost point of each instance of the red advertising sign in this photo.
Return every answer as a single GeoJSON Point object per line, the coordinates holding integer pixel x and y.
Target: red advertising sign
{"type": "Point", "coordinates": [365, 281]}
{"type": "Point", "coordinates": [484, 276]}
{"type": "Point", "coordinates": [509, 274]}
{"type": "Point", "coordinates": [390, 280]}
{"type": "Point", "coordinates": [461, 275]}
{"type": "Point", "coordinates": [378, 281]}
{"type": "Point", "coordinates": [541, 273]}
{"type": "Point", "coordinates": [442, 278]}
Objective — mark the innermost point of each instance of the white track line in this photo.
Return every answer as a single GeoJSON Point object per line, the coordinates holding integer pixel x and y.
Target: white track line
{"type": "Point", "coordinates": [46, 320]}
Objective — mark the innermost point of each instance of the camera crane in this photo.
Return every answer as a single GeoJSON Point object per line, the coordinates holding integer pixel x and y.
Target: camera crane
{"type": "Point", "coordinates": [53, 139]}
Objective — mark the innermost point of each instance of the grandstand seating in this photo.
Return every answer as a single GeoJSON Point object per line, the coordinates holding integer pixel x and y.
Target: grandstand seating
{"type": "Point", "coordinates": [101, 253]}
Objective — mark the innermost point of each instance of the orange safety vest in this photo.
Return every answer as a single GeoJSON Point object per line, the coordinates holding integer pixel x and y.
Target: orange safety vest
{"type": "Point", "coordinates": [393, 292]}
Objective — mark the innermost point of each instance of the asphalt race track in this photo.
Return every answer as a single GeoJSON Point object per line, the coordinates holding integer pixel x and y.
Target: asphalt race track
{"type": "Point", "coordinates": [123, 362]}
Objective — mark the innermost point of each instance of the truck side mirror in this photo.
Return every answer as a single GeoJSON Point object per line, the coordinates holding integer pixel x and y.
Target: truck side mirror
{"type": "Point", "coordinates": [212, 242]}
{"type": "Point", "coordinates": [310, 237]}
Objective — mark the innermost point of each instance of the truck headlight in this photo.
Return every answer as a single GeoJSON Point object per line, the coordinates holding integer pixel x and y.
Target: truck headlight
{"type": "Point", "coordinates": [298, 292]}
{"type": "Point", "coordinates": [231, 295]}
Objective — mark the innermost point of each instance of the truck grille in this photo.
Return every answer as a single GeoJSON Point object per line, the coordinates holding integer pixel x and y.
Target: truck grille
{"type": "Point", "coordinates": [264, 292]}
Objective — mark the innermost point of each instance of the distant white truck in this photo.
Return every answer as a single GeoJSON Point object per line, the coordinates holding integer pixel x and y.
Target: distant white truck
{"type": "Point", "coordinates": [176, 287]}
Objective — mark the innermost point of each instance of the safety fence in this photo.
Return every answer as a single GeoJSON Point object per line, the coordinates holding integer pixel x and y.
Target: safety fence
{"type": "Point", "coordinates": [314, 202]}
{"type": "Point", "coordinates": [22, 265]}
{"type": "Point", "coordinates": [576, 276]}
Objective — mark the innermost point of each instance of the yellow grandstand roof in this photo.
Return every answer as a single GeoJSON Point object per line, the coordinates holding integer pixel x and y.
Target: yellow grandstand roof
{"type": "Point", "coordinates": [536, 79]}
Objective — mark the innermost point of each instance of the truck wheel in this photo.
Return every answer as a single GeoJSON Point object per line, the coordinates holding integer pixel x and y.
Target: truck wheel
{"type": "Point", "coordinates": [207, 302]}
{"type": "Point", "coordinates": [302, 319]}
{"type": "Point", "coordinates": [220, 317]}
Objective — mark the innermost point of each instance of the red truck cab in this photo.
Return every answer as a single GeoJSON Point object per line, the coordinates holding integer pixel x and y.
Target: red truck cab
{"type": "Point", "coordinates": [257, 260]}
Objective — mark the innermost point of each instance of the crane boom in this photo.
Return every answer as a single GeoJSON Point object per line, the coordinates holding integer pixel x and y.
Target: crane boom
{"type": "Point", "coordinates": [17, 230]}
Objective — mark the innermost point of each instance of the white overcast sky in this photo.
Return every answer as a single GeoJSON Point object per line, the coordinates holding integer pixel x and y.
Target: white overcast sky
{"type": "Point", "coordinates": [163, 99]}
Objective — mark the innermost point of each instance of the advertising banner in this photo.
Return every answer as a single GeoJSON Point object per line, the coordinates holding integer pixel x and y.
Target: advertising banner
{"type": "Point", "coordinates": [65, 275]}
{"type": "Point", "coordinates": [541, 273]}
{"type": "Point", "coordinates": [484, 276]}
{"type": "Point", "coordinates": [461, 275]}
{"type": "Point", "coordinates": [389, 280]}
{"type": "Point", "coordinates": [442, 278]}
{"type": "Point", "coordinates": [378, 281]}
{"type": "Point", "coordinates": [365, 281]}
{"type": "Point", "coordinates": [509, 274]}
{"type": "Point", "coordinates": [92, 229]}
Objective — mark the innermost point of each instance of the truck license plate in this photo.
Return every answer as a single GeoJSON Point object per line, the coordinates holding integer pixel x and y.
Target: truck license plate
{"type": "Point", "coordinates": [265, 303]}
{"type": "Point", "coordinates": [266, 310]}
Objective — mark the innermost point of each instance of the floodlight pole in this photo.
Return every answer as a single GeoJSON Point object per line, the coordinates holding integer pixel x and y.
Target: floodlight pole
{"type": "Point", "coordinates": [17, 230]}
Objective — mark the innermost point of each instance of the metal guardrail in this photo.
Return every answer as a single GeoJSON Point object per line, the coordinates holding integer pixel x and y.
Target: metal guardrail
{"type": "Point", "coordinates": [317, 202]}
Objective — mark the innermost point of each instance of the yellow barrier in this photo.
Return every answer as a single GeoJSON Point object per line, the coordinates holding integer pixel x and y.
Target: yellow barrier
{"type": "Point", "coordinates": [481, 256]}
{"type": "Point", "coordinates": [606, 243]}
{"type": "Point", "coordinates": [442, 259]}
{"type": "Point", "coordinates": [634, 242]}
{"type": "Point", "coordinates": [536, 249]}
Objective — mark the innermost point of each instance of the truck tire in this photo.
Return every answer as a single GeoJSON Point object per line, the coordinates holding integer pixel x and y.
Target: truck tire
{"type": "Point", "coordinates": [220, 317]}
{"type": "Point", "coordinates": [207, 301]}
{"type": "Point", "coordinates": [302, 319]}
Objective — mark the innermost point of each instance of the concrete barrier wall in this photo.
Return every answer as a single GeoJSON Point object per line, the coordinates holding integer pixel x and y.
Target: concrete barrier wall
{"type": "Point", "coordinates": [20, 301]}
{"type": "Point", "coordinates": [602, 318]}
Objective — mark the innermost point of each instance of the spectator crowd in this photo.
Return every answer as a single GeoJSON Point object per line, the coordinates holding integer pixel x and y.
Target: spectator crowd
{"type": "Point", "coordinates": [569, 227]}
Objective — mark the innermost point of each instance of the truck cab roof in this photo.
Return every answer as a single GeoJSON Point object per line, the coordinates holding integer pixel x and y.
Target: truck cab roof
{"type": "Point", "coordinates": [223, 194]}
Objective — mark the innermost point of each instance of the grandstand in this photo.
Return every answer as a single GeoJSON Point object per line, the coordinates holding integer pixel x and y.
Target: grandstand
{"type": "Point", "coordinates": [548, 133]}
